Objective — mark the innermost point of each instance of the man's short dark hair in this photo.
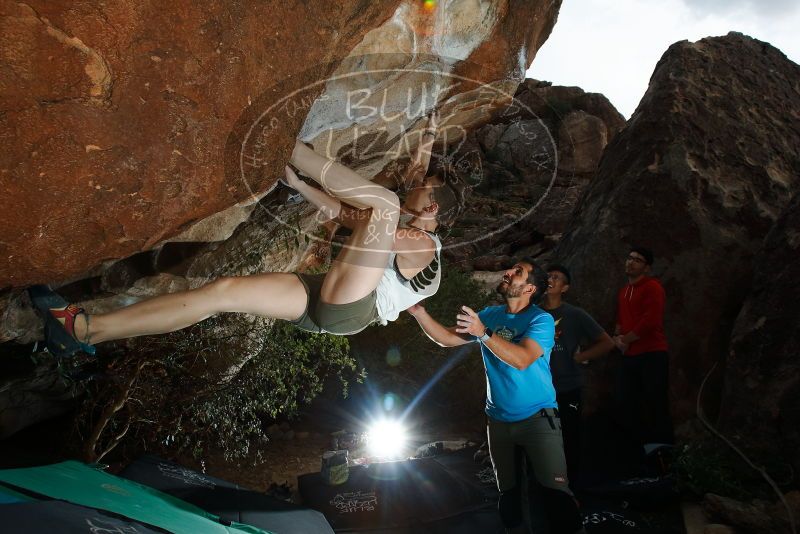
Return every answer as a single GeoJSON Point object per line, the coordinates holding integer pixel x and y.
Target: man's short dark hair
{"type": "Point", "coordinates": [560, 269]}
{"type": "Point", "coordinates": [538, 277]}
{"type": "Point", "coordinates": [646, 253]}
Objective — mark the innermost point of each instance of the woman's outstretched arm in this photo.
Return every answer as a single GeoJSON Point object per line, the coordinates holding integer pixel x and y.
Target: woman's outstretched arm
{"type": "Point", "coordinates": [422, 159]}
{"type": "Point", "coordinates": [328, 206]}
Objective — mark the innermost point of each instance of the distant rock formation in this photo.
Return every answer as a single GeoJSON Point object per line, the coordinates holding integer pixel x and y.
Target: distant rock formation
{"type": "Point", "coordinates": [535, 157]}
{"type": "Point", "coordinates": [700, 174]}
{"type": "Point", "coordinates": [761, 394]}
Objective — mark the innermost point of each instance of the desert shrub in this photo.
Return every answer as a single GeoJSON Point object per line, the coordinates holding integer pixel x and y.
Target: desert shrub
{"type": "Point", "coordinates": [287, 374]}
{"type": "Point", "coordinates": [170, 396]}
{"type": "Point", "coordinates": [710, 466]}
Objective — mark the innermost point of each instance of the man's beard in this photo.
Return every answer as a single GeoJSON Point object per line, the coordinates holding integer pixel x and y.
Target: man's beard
{"type": "Point", "coordinates": [509, 291]}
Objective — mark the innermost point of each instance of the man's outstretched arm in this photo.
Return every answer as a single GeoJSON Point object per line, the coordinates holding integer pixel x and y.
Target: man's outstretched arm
{"type": "Point", "coordinates": [517, 355]}
{"type": "Point", "coordinates": [439, 334]}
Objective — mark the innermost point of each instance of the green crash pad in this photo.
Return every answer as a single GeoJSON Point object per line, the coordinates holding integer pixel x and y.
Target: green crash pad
{"type": "Point", "coordinates": [7, 496]}
{"type": "Point", "coordinates": [80, 484]}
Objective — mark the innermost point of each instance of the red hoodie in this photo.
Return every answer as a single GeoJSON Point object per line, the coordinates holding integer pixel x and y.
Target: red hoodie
{"type": "Point", "coordinates": [640, 308]}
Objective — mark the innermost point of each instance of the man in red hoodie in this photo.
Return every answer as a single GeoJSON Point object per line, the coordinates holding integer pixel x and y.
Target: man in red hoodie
{"type": "Point", "coordinates": [643, 378]}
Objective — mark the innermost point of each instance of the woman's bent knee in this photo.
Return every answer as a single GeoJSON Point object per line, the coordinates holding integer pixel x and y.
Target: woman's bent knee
{"type": "Point", "coordinates": [386, 211]}
{"type": "Point", "coordinates": [383, 202]}
{"type": "Point", "coordinates": [391, 198]}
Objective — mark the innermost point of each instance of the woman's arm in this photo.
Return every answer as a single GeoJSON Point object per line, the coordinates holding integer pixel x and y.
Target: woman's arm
{"type": "Point", "coordinates": [328, 207]}
{"type": "Point", "coordinates": [422, 159]}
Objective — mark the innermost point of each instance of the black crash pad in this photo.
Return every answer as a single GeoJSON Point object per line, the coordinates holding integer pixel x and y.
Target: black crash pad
{"type": "Point", "coordinates": [449, 493]}
{"type": "Point", "coordinates": [225, 499]}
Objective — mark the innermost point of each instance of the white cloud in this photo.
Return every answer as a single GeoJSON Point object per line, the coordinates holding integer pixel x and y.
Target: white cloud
{"type": "Point", "coordinates": [759, 8]}
{"type": "Point", "coordinates": [612, 46]}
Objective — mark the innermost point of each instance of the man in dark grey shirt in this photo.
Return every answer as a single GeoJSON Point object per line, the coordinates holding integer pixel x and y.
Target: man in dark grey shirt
{"type": "Point", "coordinates": [578, 339]}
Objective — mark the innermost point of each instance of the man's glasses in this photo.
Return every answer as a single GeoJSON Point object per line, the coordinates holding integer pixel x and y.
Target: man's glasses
{"type": "Point", "coordinates": [636, 259]}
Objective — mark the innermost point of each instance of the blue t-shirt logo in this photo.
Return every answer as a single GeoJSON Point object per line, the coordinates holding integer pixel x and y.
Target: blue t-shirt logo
{"type": "Point", "coordinates": [507, 333]}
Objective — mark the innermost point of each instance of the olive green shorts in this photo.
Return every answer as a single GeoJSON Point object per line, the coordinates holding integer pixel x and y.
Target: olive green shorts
{"type": "Point", "coordinates": [339, 319]}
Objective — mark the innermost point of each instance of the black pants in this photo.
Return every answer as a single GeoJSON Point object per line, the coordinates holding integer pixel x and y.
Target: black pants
{"type": "Point", "coordinates": [529, 454]}
{"type": "Point", "coordinates": [569, 408]}
{"type": "Point", "coordinates": [642, 397]}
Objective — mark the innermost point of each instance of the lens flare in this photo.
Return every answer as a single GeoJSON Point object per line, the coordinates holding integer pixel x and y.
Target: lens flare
{"type": "Point", "coordinates": [393, 356]}
{"type": "Point", "coordinates": [429, 5]}
{"type": "Point", "coordinates": [386, 439]}
{"type": "Point", "coordinates": [389, 402]}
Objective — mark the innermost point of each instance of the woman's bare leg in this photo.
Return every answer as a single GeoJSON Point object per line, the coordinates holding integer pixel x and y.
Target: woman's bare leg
{"type": "Point", "coordinates": [275, 295]}
{"type": "Point", "coordinates": [359, 267]}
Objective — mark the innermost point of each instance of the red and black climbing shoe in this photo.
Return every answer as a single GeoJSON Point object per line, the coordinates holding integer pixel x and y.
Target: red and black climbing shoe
{"type": "Point", "coordinates": [59, 322]}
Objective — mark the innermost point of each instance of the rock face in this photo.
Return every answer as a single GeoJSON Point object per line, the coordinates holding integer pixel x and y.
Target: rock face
{"type": "Point", "coordinates": [761, 395]}
{"type": "Point", "coordinates": [117, 117]}
{"type": "Point", "coordinates": [532, 159]}
{"type": "Point", "coordinates": [758, 516]}
{"type": "Point", "coordinates": [122, 122]}
{"type": "Point", "coordinates": [700, 173]}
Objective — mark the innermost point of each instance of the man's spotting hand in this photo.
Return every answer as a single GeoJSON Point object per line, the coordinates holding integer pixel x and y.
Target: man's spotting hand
{"type": "Point", "coordinates": [469, 323]}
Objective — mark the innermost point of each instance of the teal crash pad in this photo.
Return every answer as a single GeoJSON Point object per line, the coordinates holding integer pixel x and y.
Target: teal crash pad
{"type": "Point", "coordinates": [80, 484]}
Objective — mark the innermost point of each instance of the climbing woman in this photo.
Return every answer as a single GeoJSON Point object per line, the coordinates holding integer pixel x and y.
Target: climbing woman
{"type": "Point", "coordinates": [390, 261]}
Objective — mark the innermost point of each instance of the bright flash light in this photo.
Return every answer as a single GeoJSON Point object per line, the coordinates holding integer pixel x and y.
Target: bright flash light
{"type": "Point", "coordinates": [386, 439]}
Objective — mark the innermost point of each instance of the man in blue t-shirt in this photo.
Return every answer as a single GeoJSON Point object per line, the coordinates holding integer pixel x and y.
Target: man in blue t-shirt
{"type": "Point", "coordinates": [516, 339]}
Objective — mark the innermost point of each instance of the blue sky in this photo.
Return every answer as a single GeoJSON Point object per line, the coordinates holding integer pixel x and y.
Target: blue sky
{"type": "Point", "coordinates": [612, 46]}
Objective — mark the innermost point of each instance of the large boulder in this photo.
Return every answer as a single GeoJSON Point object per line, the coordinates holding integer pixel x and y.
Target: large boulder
{"type": "Point", "coordinates": [700, 173]}
{"type": "Point", "coordinates": [129, 123]}
{"type": "Point", "coordinates": [582, 138]}
{"type": "Point", "coordinates": [117, 117]}
{"type": "Point", "coordinates": [167, 168]}
{"type": "Point", "coordinates": [761, 395]}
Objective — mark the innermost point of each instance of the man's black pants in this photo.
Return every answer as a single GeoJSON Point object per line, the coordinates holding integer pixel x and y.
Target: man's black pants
{"type": "Point", "coordinates": [642, 397]}
{"type": "Point", "coordinates": [533, 444]}
{"type": "Point", "coordinates": [569, 408]}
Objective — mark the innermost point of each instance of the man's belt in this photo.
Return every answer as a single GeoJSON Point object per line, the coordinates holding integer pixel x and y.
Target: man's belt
{"type": "Point", "coordinates": [548, 412]}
